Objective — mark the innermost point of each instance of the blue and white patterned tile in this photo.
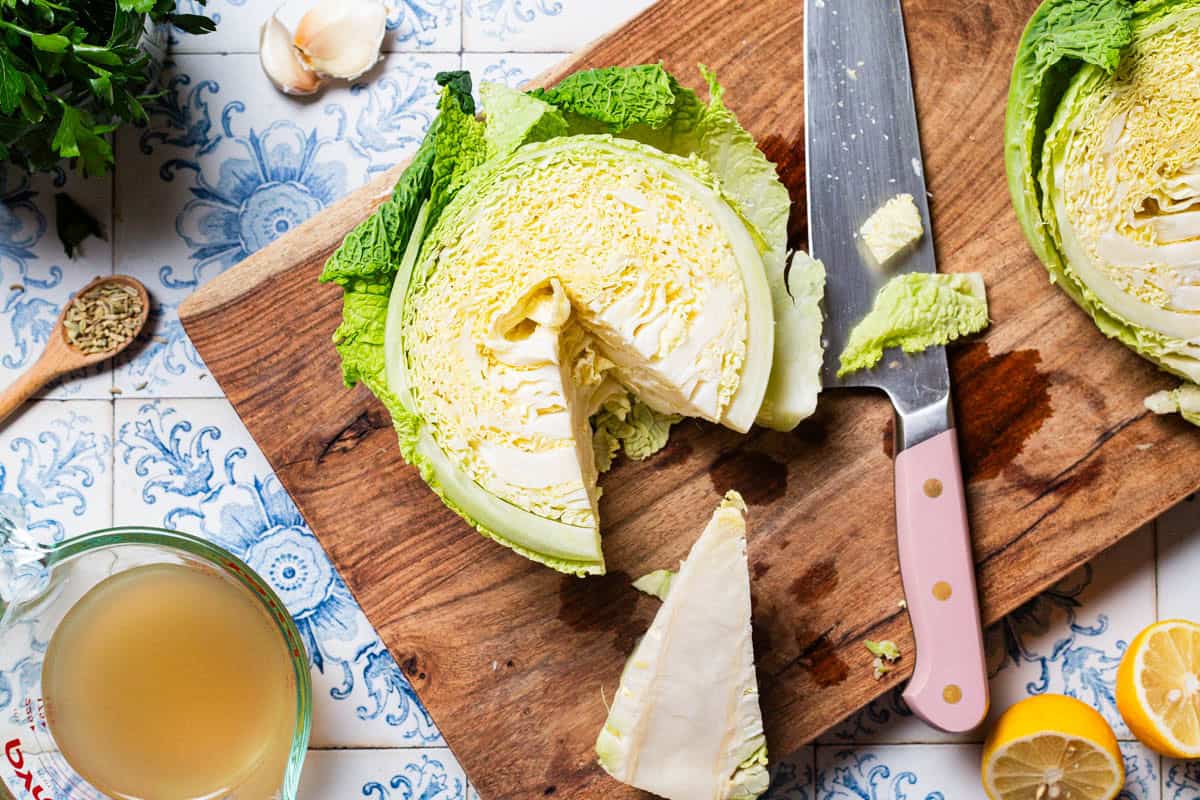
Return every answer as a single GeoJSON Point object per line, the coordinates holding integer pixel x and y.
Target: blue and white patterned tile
{"type": "Point", "coordinates": [36, 277]}
{"type": "Point", "coordinates": [56, 464]}
{"type": "Point", "coordinates": [417, 774]}
{"type": "Point", "coordinates": [1181, 780]}
{"type": "Point", "coordinates": [190, 465]}
{"type": "Point", "coordinates": [228, 165]}
{"type": "Point", "coordinates": [511, 69]}
{"type": "Point", "coordinates": [1143, 773]}
{"type": "Point", "coordinates": [942, 772]}
{"type": "Point", "coordinates": [1069, 640]}
{"type": "Point", "coordinates": [55, 479]}
{"type": "Point", "coordinates": [898, 772]}
{"type": "Point", "coordinates": [1179, 561]}
{"type": "Point", "coordinates": [556, 26]}
{"type": "Point", "coordinates": [413, 25]}
{"type": "Point", "coordinates": [793, 777]}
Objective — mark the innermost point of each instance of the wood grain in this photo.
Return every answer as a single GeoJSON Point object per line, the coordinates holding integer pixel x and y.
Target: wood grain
{"type": "Point", "coordinates": [510, 658]}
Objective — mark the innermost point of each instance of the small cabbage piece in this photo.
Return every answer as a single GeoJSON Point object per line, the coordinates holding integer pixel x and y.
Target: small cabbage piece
{"type": "Point", "coordinates": [1184, 400]}
{"type": "Point", "coordinates": [1103, 158]}
{"type": "Point", "coordinates": [915, 311]}
{"type": "Point", "coordinates": [656, 584]}
{"type": "Point", "coordinates": [685, 722]}
{"type": "Point", "coordinates": [886, 654]}
{"type": "Point", "coordinates": [894, 227]}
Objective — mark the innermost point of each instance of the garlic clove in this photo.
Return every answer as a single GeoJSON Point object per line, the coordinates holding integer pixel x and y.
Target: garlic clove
{"type": "Point", "coordinates": [280, 62]}
{"type": "Point", "coordinates": [341, 38]}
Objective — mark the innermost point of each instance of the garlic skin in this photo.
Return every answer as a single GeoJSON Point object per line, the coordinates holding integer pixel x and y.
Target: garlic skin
{"type": "Point", "coordinates": [281, 63]}
{"type": "Point", "coordinates": [341, 38]}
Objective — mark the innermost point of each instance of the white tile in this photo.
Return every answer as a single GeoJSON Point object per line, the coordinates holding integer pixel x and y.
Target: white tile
{"type": "Point", "coordinates": [941, 772]}
{"type": "Point", "coordinates": [56, 464]}
{"type": "Point", "coordinates": [190, 465]}
{"type": "Point", "coordinates": [227, 165]}
{"type": "Point", "coordinates": [898, 772]}
{"type": "Point", "coordinates": [428, 774]}
{"type": "Point", "coordinates": [511, 69]}
{"type": "Point", "coordinates": [1180, 779]}
{"type": "Point", "coordinates": [1179, 561]}
{"type": "Point", "coordinates": [1143, 772]}
{"type": "Point", "coordinates": [793, 777]}
{"type": "Point", "coordinates": [541, 25]}
{"type": "Point", "coordinates": [36, 277]}
{"type": "Point", "coordinates": [1069, 640]}
{"type": "Point", "coordinates": [413, 25]}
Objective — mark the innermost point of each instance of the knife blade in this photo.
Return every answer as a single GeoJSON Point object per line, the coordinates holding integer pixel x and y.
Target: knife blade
{"type": "Point", "coordinates": [863, 148]}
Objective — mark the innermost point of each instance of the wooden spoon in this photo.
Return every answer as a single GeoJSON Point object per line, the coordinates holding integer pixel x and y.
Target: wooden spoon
{"type": "Point", "coordinates": [60, 356]}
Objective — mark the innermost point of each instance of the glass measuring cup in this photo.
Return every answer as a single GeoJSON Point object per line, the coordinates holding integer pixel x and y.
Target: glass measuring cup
{"type": "Point", "coordinates": [40, 583]}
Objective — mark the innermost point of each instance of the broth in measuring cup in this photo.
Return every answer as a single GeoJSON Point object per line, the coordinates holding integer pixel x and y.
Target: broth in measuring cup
{"type": "Point", "coordinates": [168, 682]}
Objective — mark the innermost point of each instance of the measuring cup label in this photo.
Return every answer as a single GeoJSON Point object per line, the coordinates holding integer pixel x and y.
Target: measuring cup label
{"type": "Point", "coordinates": [16, 759]}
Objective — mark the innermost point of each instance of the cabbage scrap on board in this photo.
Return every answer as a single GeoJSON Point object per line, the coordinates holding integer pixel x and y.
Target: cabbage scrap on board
{"type": "Point", "coordinates": [685, 722]}
{"type": "Point", "coordinates": [1184, 400]}
{"type": "Point", "coordinates": [916, 311]}
{"type": "Point", "coordinates": [564, 278]}
{"type": "Point", "coordinates": [1103, 159]}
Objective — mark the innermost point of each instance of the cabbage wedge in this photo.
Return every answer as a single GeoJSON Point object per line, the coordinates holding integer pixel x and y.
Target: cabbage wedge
{"type": "Point", "coordinates": [685, 722]}
{"type": "Point", "coordinates": [1103, 158]}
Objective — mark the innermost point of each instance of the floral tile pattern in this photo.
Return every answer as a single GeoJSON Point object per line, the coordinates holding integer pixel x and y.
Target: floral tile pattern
{"type": "Point", "coordinates": [56, 464]}
{"type": "Point", "coordinates": [413, 25]}
{"type": "Point", "coordinates": [36, 277]}
{"type": "Point", "coordinates": [191, 466]}
{"type": "Point", "coordinates": [233, 165]}
{"type": "Point", "coordinates": [426, 774]}
{"type": "Point", "coordinates": [889, 772]}
{"type": "Point", "coordinates": [227, 165]}
{"type": "Point", "coordinates": [541, 25]}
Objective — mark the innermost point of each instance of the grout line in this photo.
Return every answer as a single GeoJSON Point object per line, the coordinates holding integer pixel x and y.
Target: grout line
{"type": "Point", "coordinates": [1157, 613]}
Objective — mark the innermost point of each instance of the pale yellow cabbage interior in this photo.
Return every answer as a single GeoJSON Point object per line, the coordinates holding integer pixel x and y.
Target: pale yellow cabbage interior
{"type": "Point", "coordinates": [559, 291]}
{"type": "Point", "coordinates": [1128, 180]}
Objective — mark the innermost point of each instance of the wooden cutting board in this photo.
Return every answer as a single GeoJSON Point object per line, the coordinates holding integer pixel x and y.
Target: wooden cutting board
{"type": "Point", "coordinates": [511, 658]}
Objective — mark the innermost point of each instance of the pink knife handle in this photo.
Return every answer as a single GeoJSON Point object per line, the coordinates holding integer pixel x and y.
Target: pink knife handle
{"type": "Point", "coordinates": [949, 687]}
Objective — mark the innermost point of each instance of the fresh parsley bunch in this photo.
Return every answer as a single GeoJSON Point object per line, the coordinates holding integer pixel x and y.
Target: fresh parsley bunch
{"type": "Point", "coordinates": [71, 72]}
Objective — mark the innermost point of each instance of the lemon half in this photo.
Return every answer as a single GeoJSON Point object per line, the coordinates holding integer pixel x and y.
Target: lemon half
{"type": "Point", "coordinates": [1052, 747]}
{"type": "Point", "coordinates": [1158, 688]}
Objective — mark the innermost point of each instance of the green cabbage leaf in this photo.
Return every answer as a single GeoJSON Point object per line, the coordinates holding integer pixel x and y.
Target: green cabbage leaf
{"type": "Point", "coordinates": [916, 311]}
{"type": "Point", "coordinates": [1103, 160]}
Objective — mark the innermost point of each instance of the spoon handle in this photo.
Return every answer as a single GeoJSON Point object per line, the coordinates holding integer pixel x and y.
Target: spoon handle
{"type": "Point", "coordinates": [44, 370]}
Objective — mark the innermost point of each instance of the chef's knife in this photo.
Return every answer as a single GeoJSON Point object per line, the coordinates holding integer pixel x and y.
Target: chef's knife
{"type": "Point", "coordinates": [862, 149]}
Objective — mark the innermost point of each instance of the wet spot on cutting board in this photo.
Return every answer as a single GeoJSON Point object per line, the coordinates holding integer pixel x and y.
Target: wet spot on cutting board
{"type": "Point", "coordinates": [605, 604]}
{"type": "Point", "coordinates": [889, 438]}
{"type": "Point", "coordinates": [760, 569]}
{"type": "Point", "coordinates": [817, 582]}
{"type": "Point", "coordinates": [676, 452]}
{"type": "Point", "coordinates": [1004, 400]}
{"type": "Point", "coordinates": [759, 478]}
{"type": "Point", "coordinates": [820, 659]}
{"type": "Point", "coordinates": [1064, 485]}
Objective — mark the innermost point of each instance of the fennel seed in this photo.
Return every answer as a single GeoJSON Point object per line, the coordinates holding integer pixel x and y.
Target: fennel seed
{"type": "Point", "coordinates": [103, 318]}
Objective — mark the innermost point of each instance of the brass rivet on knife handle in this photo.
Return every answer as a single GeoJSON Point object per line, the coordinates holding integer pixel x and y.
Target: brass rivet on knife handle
{"type": "Point", "coordinates": [933, 488]}
{"type": "Point", "coordinates": [942, 591]}
{"type": "Point", "coordinates": [952, 693]}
